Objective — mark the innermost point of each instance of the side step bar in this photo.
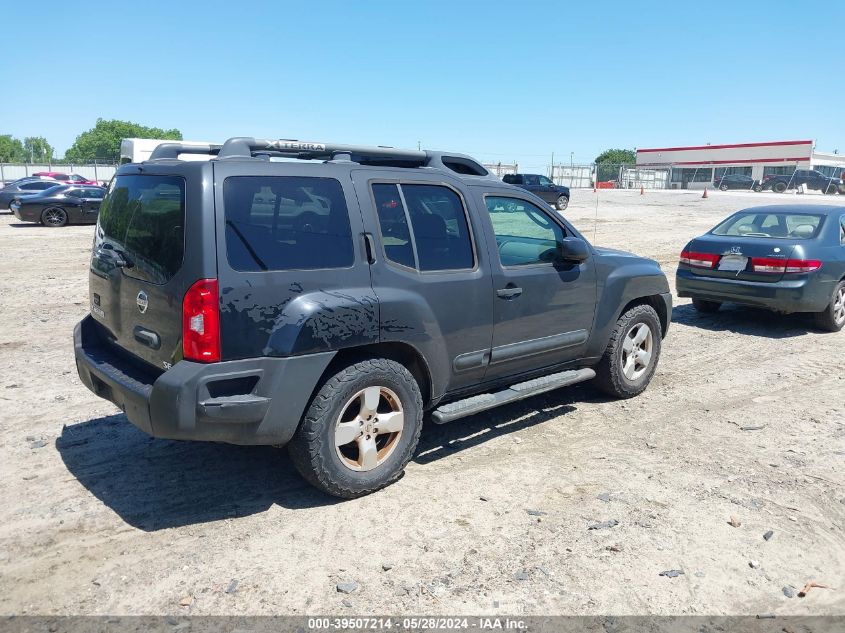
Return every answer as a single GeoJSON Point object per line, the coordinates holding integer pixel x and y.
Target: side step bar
{"type": "Point", "coordinates": [477, 404]}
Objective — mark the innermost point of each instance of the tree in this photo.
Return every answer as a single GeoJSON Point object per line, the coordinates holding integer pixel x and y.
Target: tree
{"type": "Point", "coordinates": [11, 149]}
{"type": "Point", "coordinates": [607, 163]}
{"type": "Point", "coordinates": [617, 157]}
{"type": "Point", "coordinates": [103, 140]}
{"type": "Point", "coordinates": [37, 150]}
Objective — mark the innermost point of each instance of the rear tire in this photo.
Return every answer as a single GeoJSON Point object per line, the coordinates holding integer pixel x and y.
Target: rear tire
{"type": "Point", "coordinates": [320, 451]}
{"type": "Point", "coordinates": [624, 371]}
{"type": "Point", "coordinates": [707, 307]}
{"type": "Point", "coordinates": [832, 318]}
{"type": "Point", "coordinates": [562, 203]}
{"type": "Point", "coordinates": [832, 190]}
{"type": "Point", "coordinates": [757, 188]}
{"type": "Point", "coordinates": [54, 217]}
{"type": "Point", "coordinates": [779, 187]}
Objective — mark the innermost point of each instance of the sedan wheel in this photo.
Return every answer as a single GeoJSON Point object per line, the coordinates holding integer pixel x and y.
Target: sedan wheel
{"type": "Point", "coordinates": [723, 187]}
{"type": "Point", "coordinates": [368, 428]}
{"type": "Point", "coordinates": [54, 216]}
{"type": "Point", "coordinates": [832, 318]}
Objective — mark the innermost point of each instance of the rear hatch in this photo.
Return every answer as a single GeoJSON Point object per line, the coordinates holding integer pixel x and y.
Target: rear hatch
{"type": "Point", "coordinates": [139, 269]}
{"type": "Point", "coordinates": [733, 256]}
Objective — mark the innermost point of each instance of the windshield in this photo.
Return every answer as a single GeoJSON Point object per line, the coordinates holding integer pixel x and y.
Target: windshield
{"type": "Point", "coordinates": [143, 218]}
{"type": "Point", "coordinates": [802, 226]}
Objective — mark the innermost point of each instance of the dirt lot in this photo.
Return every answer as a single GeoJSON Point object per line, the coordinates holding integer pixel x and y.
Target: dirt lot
{"type": "Point", "coordinates": [96, 517]}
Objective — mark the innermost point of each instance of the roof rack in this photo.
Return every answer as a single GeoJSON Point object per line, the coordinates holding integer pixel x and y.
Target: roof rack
{"type": "Point", "coordinates": [241, 147]}
{"type": "Point", "coordinates": [171, 151]}
{"type": "Point", "coordinates": [245, 147]}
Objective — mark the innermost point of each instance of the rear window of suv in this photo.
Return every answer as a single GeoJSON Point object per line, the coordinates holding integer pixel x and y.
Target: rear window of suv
{"type": "Point", "coordinates": [144, 217]}
{"type": "Point", "coordinates": [286, 223]}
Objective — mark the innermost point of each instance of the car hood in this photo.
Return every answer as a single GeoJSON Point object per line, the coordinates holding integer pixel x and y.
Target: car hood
{"type": "Point", "coordinates": [600, 250]}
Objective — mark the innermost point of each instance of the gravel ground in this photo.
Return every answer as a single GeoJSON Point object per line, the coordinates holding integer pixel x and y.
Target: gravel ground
{"type": "Point", "coordinates": [494, 513]}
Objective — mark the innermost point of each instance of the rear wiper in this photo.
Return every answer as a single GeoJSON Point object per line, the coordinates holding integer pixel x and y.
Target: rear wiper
{"type": "Point", "coordinates": [118, 257]}
{"type": "Point", "coordinates": [247, 245]}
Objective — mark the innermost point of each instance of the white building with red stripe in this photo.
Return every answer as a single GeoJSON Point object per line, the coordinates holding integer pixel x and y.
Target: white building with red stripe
{"type": "Point", "coordinates": [695, 166]}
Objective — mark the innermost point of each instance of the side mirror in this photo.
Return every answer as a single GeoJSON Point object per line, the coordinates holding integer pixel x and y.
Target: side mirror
{"type": "Point", "coordinates": [572, 250]}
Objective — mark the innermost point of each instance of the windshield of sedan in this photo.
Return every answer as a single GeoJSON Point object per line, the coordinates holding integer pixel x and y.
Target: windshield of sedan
{"type": "Point", "coordinates": [802, 226]}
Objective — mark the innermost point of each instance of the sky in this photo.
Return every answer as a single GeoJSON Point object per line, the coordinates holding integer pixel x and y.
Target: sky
{"type": "Point", "coordinates": [502, 81]}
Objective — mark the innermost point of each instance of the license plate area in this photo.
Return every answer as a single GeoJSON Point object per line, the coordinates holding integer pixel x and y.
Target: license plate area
{"type": "Point", "coordinates": [733, 263]}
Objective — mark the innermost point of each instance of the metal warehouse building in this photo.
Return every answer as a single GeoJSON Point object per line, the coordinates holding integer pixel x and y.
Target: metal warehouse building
{"type": "Point", "coordinates": [697, 166]}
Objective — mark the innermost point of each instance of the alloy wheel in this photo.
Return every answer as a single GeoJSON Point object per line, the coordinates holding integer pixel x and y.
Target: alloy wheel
{"type": "Point", "coordinates": [839, 306]}
{"type": "Point", "coordinates": [637, 350]}
{"type": "Point", "coordinates": [368, 428]}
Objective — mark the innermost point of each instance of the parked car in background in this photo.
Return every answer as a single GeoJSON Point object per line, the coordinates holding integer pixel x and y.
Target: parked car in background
{"type": "Point", "coordinates": [787, 258]}
{"type": "Point", "coordinates": [737, 181]}
{"type": "Point", "coordinates": [22, 188]}
{"type": "Point", "coordinates": [75, 179]}
{"type": "Point", "coordinates": [541, 186]}
{"type": "Point", "coordinates": [810, 178]}
{"type": "Point", "coordinates": [60, 205]}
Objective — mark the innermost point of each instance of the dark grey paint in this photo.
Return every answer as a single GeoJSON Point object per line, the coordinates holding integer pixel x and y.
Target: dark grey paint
{"type": "Point", "coordinates": [281, 330]}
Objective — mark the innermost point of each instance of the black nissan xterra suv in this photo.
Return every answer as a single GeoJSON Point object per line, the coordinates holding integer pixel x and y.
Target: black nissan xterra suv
{"type": "Point", "coordinates": [328, 303]}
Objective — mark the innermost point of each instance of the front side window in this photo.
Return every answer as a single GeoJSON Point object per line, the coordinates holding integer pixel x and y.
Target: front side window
{"type": "Point", "coordinates": [531, 179]}
{"type": "Point", "coordinates": [286, 223]}
{"type": "Point", "coordinates": [437, 237]}
{"type": "Point", "coordinates": [545, 181]}
{"type": "Point", "coordinates": [525, 235]}
{"type": "Point", "coordinates": [767, 225]}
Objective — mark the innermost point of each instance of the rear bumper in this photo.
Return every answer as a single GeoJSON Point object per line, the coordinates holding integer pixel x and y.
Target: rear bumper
{"type": "Point", "coordinates": [252, 401]}
{"type": "Point", "coordinates": [805, 293]}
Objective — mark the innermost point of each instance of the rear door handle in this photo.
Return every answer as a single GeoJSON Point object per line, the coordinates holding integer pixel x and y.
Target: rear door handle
{"type": "Point", "coordinates": [509, 292]}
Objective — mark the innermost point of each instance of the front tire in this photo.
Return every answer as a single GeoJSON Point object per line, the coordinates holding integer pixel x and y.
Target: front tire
{"type": "Point", "coordinates": [562, 203]}
{"type": "Point", "coordinates": [707, 307]}
{"type": "Point", "coordinates": [632, 353]}
{"type": "Point", "coordinates": [360, 430]}
{"type": "Point", "coordinates": [54, 217]}
{"type": "Point", "coordinates": [832, 318]}
{"type": "Point", "coordinates": [723, 187]}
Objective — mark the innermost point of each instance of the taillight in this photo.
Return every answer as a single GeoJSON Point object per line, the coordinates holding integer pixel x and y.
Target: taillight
{"type": "Point", "coordinates": [780, 266]}
{"type": "Point", "coordinates": [201, 322]}
{"type": "Point", "coordinates": [700, 260]}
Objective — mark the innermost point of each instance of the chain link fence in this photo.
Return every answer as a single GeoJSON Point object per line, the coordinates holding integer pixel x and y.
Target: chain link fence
{"type": "Point", "coordinates": [99, 171]}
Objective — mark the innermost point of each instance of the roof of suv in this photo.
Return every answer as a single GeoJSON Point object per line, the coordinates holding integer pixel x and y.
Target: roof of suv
{"type": "Point", "coordinates": [248, 148]}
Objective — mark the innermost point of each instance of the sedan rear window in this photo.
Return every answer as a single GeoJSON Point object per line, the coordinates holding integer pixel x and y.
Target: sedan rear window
{"type": "Point", "coordinates": [800, 226]}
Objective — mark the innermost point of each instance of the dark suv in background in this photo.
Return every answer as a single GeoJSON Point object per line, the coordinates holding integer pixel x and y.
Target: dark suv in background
{"type": "Point", "coordinates": [327, 304]}
{"type": "Point", "coordinates": [541, 186]}
{"type": "Point", "coordinates": [810, 178]}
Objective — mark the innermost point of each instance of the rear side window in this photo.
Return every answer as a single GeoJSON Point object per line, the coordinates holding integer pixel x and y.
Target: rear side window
{"type": "Point", "coordinates": [38, 186]}
{"type": "Point", "coordinates": [144, 218]}
{"type": "Point", "coordinates": [771, 225]}
{"type": "Point", "coordinates": [286, 223]}
{"type": "Point", "coordinates": [438, 237]}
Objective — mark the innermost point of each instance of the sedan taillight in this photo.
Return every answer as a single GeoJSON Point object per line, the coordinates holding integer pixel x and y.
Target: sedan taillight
{"type": "Point", "coordinates": [699, 260]}
{"type": "Point", "coordinates": [781, 266]}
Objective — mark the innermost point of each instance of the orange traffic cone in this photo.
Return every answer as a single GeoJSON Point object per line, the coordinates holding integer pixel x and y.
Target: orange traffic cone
{"type": "Point", "coordinates": [642, 191]}
{"type": "Point", "coordinates": [705, 193]}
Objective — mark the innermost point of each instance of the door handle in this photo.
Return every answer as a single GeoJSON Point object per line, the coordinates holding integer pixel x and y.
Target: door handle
{"type": "Point", "coordinates": [509, 292]}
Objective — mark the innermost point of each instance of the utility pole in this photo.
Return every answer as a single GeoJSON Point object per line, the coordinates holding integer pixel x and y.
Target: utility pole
{"type": "Point", "coordinates": [552, 170]}
{"type": "Point", "coordinates": [572, 159]}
